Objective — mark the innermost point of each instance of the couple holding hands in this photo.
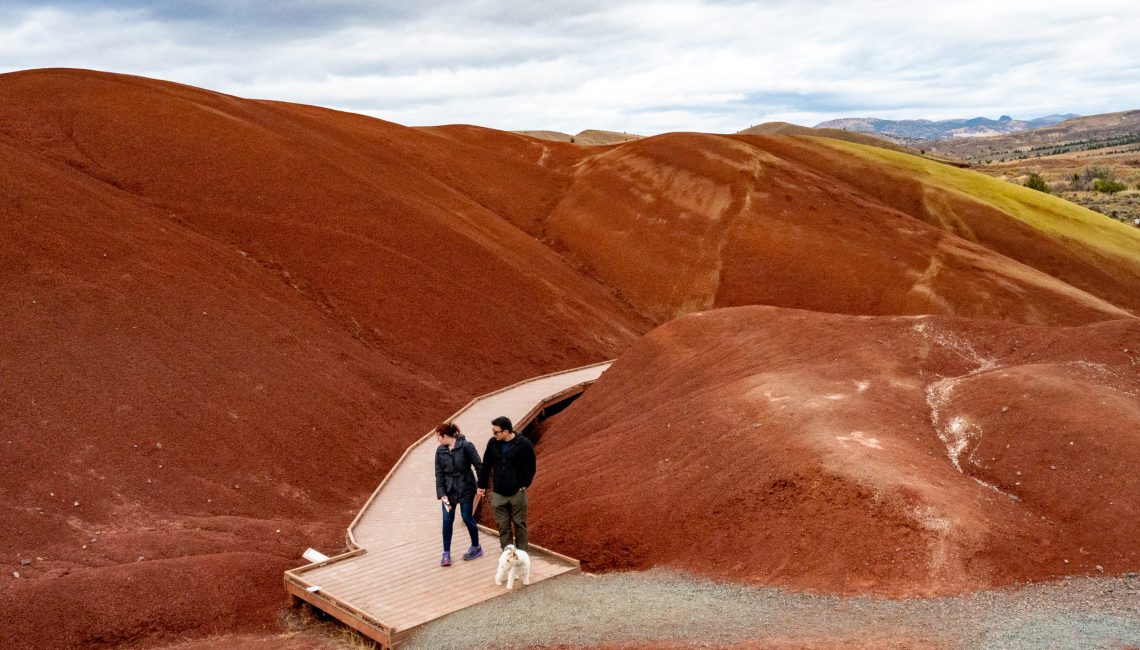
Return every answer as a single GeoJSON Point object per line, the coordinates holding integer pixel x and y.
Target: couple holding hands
{"type": "Point", "coordinates": [460, 477]}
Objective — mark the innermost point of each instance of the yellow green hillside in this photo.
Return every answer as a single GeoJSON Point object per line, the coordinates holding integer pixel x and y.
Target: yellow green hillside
{"type": "Point", "coordinates": [1056, 217]}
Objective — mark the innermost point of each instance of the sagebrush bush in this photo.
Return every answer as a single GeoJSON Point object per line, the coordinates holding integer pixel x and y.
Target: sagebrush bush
{"type": "Point", "coordinates": [1036, 182]}
{"type": "Point", "coordinates": [1108, 185]}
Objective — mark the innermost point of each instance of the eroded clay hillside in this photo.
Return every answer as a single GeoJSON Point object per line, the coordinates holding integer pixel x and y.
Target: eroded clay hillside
{"type": "Point", "coordinates": [224, 319]}
{"type": "Point", "coordinates": [685, 221]}
{"type": "Point", "coordinates": [842, 454]}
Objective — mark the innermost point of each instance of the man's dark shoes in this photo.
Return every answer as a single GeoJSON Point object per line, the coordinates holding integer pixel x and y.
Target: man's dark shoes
{"type": "Point", "coordinates": [473, 552]}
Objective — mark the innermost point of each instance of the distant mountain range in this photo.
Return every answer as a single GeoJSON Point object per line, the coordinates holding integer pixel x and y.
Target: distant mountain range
{"type": "Point", "coordinates": [914, 130]}
{"type": "Point", "coordinates": [1104, 132]}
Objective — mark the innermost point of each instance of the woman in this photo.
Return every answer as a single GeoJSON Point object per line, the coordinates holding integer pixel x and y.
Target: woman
{"type": "Point", "coordinates": [456, 461]}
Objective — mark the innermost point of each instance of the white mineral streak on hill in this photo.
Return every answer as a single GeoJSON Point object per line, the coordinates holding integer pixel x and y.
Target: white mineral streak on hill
{"type": "Point", "coordinates": [955, 431]}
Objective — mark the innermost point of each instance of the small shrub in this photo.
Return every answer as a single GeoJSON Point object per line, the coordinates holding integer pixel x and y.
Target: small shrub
{"type": "Point", "coordinates": [1108, 186]}
{"type": "Point", "coordinates": [1097, 171]}
{"type": "Point", "coordinates": [1036, 182]}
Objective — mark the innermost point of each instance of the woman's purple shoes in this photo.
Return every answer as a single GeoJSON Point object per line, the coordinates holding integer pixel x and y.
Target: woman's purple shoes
{"type": "Point", "coordinates": [445, 560]}
{"type": "Point", "coordinates": [473, 552]}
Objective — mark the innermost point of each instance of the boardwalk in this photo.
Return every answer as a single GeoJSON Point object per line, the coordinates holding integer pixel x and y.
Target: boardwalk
{"type": "Point", "coordinates": [391, 583]}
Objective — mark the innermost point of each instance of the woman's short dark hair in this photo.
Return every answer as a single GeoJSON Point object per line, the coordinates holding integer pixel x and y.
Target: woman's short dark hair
{"type": "Point", "coordinates": [447, 429]}
{"type": "Point", "coordinates": [503, 422]}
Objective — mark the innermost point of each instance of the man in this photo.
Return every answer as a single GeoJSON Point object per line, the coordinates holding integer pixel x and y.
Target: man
{"type": "Point", "coordinates": [509, 457]}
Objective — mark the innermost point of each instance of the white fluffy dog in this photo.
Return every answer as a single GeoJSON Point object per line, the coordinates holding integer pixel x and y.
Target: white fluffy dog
{"type": "Point", "coordinates": [513, 563]}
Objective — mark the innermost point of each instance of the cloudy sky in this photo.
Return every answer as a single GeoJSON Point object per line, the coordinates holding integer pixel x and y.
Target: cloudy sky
{"type": "Point", "coordinates": [641, 67]}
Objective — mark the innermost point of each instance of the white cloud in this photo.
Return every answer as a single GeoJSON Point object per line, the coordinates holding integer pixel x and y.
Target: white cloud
{"type": "Point", "coordinates": [642, 67]}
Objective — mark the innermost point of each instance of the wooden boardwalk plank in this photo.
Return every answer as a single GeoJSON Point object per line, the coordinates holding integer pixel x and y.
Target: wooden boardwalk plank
{"type": "Point", "coordinates": [392, 578]}
{"type": "Point", "coordinates": [396, 583]}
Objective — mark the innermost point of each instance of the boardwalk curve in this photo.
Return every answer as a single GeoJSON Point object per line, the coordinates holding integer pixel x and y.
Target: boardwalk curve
{"type": "Point", "coordinates": [390, 582]}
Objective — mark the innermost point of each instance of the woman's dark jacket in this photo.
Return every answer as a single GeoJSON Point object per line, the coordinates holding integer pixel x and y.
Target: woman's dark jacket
{"type": "Point", "coordinates": [453, 470]}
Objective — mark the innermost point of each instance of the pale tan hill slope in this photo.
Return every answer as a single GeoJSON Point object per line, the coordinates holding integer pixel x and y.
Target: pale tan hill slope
{"type": "Point", "coordinates": [589, 137]}
{"type": "Point", "coordinates": [858, 137]}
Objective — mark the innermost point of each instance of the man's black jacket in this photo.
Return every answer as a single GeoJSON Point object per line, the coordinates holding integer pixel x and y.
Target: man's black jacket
{"type": "Point", "coordinates": [512, 470]}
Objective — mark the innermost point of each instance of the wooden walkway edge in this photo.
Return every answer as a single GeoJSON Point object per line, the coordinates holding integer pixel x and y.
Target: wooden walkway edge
{"type": "Point", "coordinates": [390, 582]}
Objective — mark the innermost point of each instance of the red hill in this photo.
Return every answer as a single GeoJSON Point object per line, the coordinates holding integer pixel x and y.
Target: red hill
{"type": "Point", "coordinates": [894, 455]}
{"type": "Point", "coordinates": [684, 222]}
{"type": "Point", "coordinates": [226, 318]}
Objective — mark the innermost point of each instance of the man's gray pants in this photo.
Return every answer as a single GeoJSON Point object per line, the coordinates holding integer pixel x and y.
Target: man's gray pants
{"type": "Point", "coordinates": [510, 510]}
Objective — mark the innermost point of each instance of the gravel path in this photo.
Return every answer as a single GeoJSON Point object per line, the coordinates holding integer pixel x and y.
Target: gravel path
{"type": "Point", "coordinates": [659, 605]}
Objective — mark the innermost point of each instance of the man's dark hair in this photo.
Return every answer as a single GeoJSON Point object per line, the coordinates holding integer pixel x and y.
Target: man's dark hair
{"type": "Point", "coordinates": [503, 422]}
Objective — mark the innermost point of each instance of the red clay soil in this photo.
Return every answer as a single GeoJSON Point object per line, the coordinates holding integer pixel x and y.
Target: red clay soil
{"type": "Point", "coordinates": [284, 641]}
{"type": "Point", "coordinates": [223, 322]}
{"type": "Point", "coordinates": [224, 319]}
{"type": "Point", "coordinates": [684, 222]}
{"type": "Point", "coordinates": [891, 455]}
{"type": "Point", "coordinates": [1101, 273]}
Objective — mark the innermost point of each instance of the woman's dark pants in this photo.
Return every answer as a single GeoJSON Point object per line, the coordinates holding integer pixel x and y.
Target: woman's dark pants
{"type": "Point", "coordinates": [449, 522]}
